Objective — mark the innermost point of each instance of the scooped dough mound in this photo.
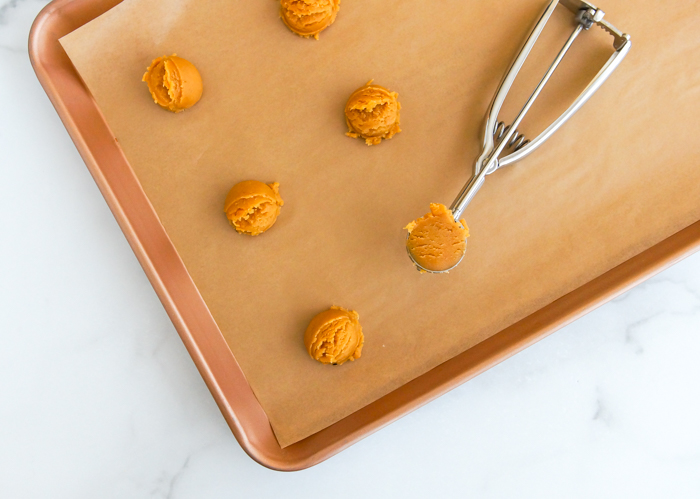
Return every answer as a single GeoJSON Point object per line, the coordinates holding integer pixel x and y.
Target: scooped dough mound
{"type": "Point", "coordinates": [308, 18]}
{"type": "Point", "coordinates": [436, 241]}
{"type": "Point", "coordinates": [334, 336]}
{"type": "Point", "coordinates": [252, 207]}
{"type": "Point", "coordinates": [372, 113]}
{"type": "Point", "coordinates": [174, 83]}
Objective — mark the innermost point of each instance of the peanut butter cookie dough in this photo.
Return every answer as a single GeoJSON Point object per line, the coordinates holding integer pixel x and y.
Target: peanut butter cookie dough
{"type": "Point", "coordinates": [174, 83]}
{"type": "Point", "coordinates": [252, 207]}
{"type": "Point", "coordinates": [308, 18]}
{"type": "Point", "coordinates": [372, 113]}
{"type": "Point", "coordinates": [436, 242]}
{"type": "Point", "coordinates": [334, 336]}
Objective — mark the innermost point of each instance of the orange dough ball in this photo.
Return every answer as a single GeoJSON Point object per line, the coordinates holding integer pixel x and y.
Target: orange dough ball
{"type": "Point", "coordinates": [308, 18]}
{"type": "Point", "coordinates": [174, 83]}
{"type": "Point", "coordinates": [372, 113]}
{"type": "Point", "coordinates": [252, 207]}
{"type": "Point", "coordinates": [334, 336]}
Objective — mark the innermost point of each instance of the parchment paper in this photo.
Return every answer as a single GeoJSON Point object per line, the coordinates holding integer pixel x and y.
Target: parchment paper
{"type": "Point", "coordinates": [622, 175]}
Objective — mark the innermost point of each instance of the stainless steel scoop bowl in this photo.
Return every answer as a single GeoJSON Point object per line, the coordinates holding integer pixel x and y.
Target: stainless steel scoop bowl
{"type": "Point", "coordinates": [499, 138]}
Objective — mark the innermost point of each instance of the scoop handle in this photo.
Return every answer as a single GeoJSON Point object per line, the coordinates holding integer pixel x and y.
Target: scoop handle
{"type": "Point", "coordinates": [467, 193]}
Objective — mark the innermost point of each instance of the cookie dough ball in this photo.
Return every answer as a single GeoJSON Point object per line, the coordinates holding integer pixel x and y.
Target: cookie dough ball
{"type": "Point", "coordinates": [372, 113]}
{"type": "Point", "coordinates": [308, 17]}
{"type": "Point", "coordinates": [174, 83]}
{"type": "Point", "coordinates": [252, 207]}
{"type": "Point", "coordinates": [334, 336]}
{"type": "Point", "coordinates": [436, 242]}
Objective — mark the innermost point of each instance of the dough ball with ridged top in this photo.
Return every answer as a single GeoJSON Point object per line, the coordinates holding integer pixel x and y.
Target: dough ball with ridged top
{"type": "Point", "coordinates": [334, 336]}
{"type": "Point", "coordinates": [373, 113]}
{"type": "Point", "coordinates": [308, 18]}
{"type": "Point", "coordinates": [252, 207]}
{"type": "Point", "coordinates": [174, 83]}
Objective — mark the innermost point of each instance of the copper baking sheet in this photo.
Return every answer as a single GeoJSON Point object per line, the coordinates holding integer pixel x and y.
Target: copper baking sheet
{"type": "Point", "coordinates": [203, 337]}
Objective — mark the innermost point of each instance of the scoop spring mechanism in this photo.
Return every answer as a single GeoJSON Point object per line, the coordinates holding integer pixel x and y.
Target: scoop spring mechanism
{"type": "Point", "coordinates": [516, 142]}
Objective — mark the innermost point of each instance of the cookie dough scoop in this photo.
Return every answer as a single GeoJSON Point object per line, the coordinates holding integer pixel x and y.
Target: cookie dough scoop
{"type": "Point", "coordinates": [499, 138]}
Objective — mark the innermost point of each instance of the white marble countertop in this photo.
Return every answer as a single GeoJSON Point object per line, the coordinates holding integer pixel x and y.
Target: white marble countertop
{"type": "Point", "coordinates": [100, 399]}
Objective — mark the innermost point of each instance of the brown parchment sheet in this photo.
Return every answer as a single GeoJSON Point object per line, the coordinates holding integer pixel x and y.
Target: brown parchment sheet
{"type": "Point", "coordinates": [622, 175]}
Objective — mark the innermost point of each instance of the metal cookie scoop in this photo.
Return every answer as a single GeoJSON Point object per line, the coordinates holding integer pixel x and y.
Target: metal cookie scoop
{"type": "Point", "coordinates": [498, 137]}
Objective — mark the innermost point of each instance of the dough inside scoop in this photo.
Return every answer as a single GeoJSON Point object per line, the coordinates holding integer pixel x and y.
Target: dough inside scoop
{"type": "Point", "coordinates": [436, 241]}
